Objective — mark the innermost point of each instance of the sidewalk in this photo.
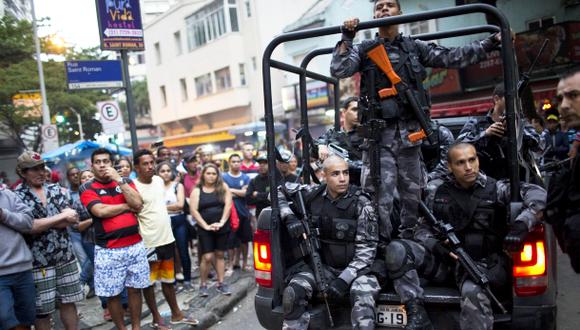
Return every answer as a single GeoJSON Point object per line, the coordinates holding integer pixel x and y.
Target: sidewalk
{"type": "Point", "coordinates": [207, 310]}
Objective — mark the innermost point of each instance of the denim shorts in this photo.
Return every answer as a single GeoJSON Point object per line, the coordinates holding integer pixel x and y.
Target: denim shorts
{"type": "Point", "coordinates": [118, 268]}
{"type": "Point", "coordinates": [17, 300]}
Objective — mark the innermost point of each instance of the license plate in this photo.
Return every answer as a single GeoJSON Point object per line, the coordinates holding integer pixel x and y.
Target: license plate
{"type": "Point", "coordinates": [391, 316]}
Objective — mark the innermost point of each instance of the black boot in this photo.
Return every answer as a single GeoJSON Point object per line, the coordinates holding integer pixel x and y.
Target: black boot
{"type": "Point", "coordinates": [417, 318]}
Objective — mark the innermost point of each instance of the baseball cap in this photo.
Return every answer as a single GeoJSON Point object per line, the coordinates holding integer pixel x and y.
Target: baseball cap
{"type": "Point", "coordinates": [262, 158]}
{"type": "Point", "coordinates": [190, 157]}
{"type": "Point", "coordinates": [552, 117]}
{"type": "Point", "coordinates": [284, 155]}
{"type": "Point", "coordinates": [28, 159]}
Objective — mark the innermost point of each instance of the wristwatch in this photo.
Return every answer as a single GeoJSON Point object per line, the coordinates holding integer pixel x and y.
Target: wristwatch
{"type": "Point", "coordinates": [121, 181]}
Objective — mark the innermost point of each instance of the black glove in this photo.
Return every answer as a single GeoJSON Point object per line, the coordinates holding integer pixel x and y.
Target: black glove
{"type": "Point", "coordinates": [294, 226]}
{"type": "Point", "coordinates": [491, 43]}
{"type": "Point", "coordinates": [515, 238]}
{"type": "Point", "coordinates": [337, 288]}
{"type": "Point", "coordinates": [347, 35]}
{"type": "Point", "coordinates": [442, 252]}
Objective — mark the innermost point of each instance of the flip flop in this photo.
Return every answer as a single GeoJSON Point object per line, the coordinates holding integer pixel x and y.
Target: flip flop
{"type": "Point", "coordinates": [158, 326]}
{"type": "Point", "coordinates": [186, 320]}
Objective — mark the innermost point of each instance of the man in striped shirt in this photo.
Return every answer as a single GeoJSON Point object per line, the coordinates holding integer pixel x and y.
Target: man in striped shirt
{"type": "Point", "coordinates": [120, 256]}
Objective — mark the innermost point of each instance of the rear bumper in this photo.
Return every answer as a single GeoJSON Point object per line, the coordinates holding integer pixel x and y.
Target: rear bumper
{"type": "Point", "coordinates": [534, 317]}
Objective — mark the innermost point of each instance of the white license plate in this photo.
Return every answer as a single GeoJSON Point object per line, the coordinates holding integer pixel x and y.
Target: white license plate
{"type": "Point", "coordinates": [391, 316]}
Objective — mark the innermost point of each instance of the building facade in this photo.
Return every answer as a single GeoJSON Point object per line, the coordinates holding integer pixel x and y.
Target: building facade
{"type": "Point", "coordinates": [454, 92]}
{"type": "Point", "coordinates": [204, 68]}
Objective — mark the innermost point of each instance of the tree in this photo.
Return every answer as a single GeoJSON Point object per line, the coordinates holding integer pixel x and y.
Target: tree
{"type": "Point", "coordinates": [18, 72]}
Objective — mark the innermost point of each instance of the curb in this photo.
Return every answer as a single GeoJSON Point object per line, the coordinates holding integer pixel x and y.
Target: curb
{"type": "Point", "coordinates": [216, 308]}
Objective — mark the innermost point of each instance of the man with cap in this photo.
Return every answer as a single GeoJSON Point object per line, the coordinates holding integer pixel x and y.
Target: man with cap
{"type": "Point", "coordinates": [191, 178]}
{"type": "Point", "coordinates": [17, 293]}
{"type": "Point", "coordinates": [557, 144]}
{"type": "Point", "coordinates": [55, 270]}
{"type": "Point", "coordinates": [284, 174]}
{"type": "Point", "coordinates": [259, 187]}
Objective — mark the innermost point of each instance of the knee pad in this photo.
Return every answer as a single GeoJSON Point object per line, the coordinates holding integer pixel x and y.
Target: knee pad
{"type": "Point", "coordinates": [399, 259]}
{"type": "Point", "coordinates": [294, 301]}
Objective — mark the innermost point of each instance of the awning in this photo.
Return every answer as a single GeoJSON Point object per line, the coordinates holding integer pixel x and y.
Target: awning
{"type": "Point", "coordinates": [471, 107]}
{"type": "Point", "coordinates": [82, 149]}
{"type": "Point", "coordinates": [196, 138]}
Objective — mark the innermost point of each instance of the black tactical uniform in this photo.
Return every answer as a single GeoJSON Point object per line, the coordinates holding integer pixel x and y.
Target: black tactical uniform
{"type": "Point", "coordinates": [479, 216]}
{"type": "Point", "coordinates": [351, 142]}
{"type": "Point", "coordinates": [348, 236]}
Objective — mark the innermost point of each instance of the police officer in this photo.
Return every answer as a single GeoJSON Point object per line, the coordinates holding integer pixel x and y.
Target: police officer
{"type": "Point", "coordinates": [563, 209]}
{"type": "Point", "coordinates": [488, 134]}
{"type": "Point", "coordinates": [434, 154]}
{"type": "Point", "coordinates": [399, 156]}
{"type": "Point", "coordinates": [348, 235]}
{"type": "Point", "coordinates": [476, 205]}
{"type": "Point", "coordinates": [347, 138]}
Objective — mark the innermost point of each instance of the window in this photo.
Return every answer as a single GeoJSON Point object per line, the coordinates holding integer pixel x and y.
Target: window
{"type": "Point", "coordinates": [222, 79]}
{"type": "Point", "coordinates": [141, 58]}
{"type": "Point", "coordinates": [248, 8]}
{"type": "Point", "coordinates": [419, 27]}
{"type": "Point", "coordinates": [158, 53]}
{"type": "Point", "coordinates": [209, 23]}
{"type": "Point", "coordinates": [203, 85]}
{"type": "Point", "coordinates": [177, 39]}
{"type": "Point", "coordinates": [540, 23]}
{"type": "Point", "coordinates": [242, 74]}
{"type": "Point", "coordinates": [163, 96]}
{"type": "Point", "coordinates": [254, 65]}
{"type": "Point", "coordinates": [183, 85]}
{"type": "Point", "coordinates": [233, 11]}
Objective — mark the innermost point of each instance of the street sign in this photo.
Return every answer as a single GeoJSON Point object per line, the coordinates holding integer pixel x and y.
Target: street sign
{"type": "Point", "coordinates": [93, 74]}
{"type": "Point", "coordinates": [49, 137]}
{"type": "Point", "coordinates": [120, 25]}
{"type": "Point", "coordinates": [111, 117]}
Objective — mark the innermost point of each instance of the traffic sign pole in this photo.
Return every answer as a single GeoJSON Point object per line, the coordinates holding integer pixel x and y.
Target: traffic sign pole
{"type": "Point", "coordinates": [129, 96]}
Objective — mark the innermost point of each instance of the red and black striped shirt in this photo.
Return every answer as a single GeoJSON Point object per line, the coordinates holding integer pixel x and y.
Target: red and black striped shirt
{"type": "Point", "coordinates": [116, 232]}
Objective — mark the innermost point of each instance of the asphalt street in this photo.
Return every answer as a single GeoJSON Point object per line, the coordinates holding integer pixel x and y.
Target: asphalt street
{"type": "Point", "coordinates": [243, 316]}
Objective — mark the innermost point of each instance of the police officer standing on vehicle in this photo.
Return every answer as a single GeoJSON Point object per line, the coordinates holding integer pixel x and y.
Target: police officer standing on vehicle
{"type": "Point", "coordinates": [399, 154]}
{"type": "Point", "coordinates": [563, 209]}
{"type": "Point", "coordinates": [477, 207]}
{"type": "Point", "coordinates": [347, 138]}
{"type": "Point", "coordinates": [348, 239]}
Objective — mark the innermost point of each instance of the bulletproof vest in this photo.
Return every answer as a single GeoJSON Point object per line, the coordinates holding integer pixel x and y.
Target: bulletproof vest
{"type": "Point", "coordinates": [431, 151]}
{"type": "Point", "coordinates": [479, 221]}
{"type": "Point", "coordinates": [336, 222]}
{"type": "Point", "coordinates": [493, 157]}
{"type": "Point", "coordinates": [404, 58]}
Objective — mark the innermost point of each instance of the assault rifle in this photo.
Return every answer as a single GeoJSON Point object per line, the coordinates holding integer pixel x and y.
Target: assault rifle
{"type": "Point", "coordinates": [447, 233]}
{"type": "Point", "coordinates": [311, 244]}
{"type": "Point", "coordinates": [378, 54]}
{"type": "Point", "coordinates": [555, 166]}
{"type": "Point", "coordinates": [525, 78]}
{"type": "Point", "coordinates": [339, 151]}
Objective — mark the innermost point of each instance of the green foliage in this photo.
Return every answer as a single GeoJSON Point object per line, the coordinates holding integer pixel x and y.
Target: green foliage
{"type": "Point", "coordinates": [16, 43]}
{"type": "Point", "coordinates": [141, 96]}
{"type": "Point", "coordinates": [19, 72]}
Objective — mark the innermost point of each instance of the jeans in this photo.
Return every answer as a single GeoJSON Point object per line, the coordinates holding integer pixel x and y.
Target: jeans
{"type": "Point", "coordinates": [17, 300]}
{"type": "Point", "coordinates": [79, 251]}
{"type": "Point", "coordinates": [88, 269]}
{"type": "Point", "coordinates": [179, 226]}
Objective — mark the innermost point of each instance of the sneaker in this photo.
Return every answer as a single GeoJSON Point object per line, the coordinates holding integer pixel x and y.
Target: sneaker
{"type": "Point", "coordinates": [203, 291]}
{"type": "Point", "coordinates": [91, 293]}
{"type": "Point", "coordinates": [223, 289]}
{"type": "Point", "coordinates": [179, 276]}
{"type": "Point", "coordinates": [187, 286]}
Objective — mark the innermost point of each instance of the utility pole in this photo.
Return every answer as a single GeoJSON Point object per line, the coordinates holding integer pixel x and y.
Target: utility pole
{"type": "Point", "coordinates": [80, 122]}
{"type": "Point", "coordinates": [129, 97]}
{"type": "Point", "coordinates": [45, 110]}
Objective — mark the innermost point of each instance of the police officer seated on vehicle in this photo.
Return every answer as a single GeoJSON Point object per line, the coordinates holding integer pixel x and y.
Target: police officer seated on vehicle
{"type": "Point", "coordinates": [348, 238]}
{"type": "Point", "coordinates": [347, 138]}
{"type": "Point", "coordinates": [488, 135]}
{"type": "Point", "coordinates": [477, 206]}
{"type": "Point", "coordinates": [563, 209]}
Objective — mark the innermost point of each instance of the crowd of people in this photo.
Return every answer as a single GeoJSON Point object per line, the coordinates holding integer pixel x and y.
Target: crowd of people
{"type": "Point", "coordinates": [117, 228]}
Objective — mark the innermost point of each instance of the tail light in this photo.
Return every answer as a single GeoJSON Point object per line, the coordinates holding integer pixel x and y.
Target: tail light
{"type": "Point", "coordinates": [263, 258]}
{"type": "Point", "coordinates": [529, 268]}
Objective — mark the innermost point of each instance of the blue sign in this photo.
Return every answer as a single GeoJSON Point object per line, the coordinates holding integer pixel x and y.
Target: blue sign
{"type": "Point", "coordinates": [93, 74]}
{"type": "Point", "coordinates": [120, 25]}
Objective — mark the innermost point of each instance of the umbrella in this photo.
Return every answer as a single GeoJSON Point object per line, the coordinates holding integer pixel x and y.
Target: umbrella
{"type": "Point", "coordinates": [82, 150]}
